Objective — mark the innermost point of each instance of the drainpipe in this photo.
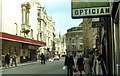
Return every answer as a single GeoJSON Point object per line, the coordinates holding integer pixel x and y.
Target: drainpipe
{"type": "Point", "coordinates": [16, 28]}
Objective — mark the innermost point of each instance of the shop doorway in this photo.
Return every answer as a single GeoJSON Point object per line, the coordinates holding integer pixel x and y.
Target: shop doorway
{"type": "Point", "coordinates": [33, 56]}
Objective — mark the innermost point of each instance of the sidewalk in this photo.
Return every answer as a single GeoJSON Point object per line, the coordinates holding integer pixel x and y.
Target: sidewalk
{"type": "Point", "coordinates": [20, 64]}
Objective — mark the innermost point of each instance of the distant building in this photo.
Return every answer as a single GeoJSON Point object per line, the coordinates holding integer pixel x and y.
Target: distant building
{"type": "Point", "coordinates": [74, 39]}
{"type": "Point", "coordinates": [63, 44]}
{"type": "Point", "coordinates": [58, 47]}
{"type": "Point", "coordinates": [46, 30]}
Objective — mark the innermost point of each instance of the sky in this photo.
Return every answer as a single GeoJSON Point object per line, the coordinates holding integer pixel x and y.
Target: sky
{"type": "Point", "coordinates": [60, 11]}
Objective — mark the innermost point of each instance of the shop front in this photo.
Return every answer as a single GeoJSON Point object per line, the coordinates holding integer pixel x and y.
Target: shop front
{"type": "Point", "coordinates": [116, 37]}
{"type": "Point", "coordinates": [28, 53]}
{"type": "Point", "coordinates": [25, 48]}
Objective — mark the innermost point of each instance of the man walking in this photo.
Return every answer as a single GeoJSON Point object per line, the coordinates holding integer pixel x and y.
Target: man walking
{"type": "Point", "coordinates": [14, 59]}
{"type": "Point", "coordinates": [42, 58]}
{"type": "Point", "coordinates": [101, 62]}
{"type": "Point", "coordinates": [69, 62]}
{"type": "Point", "coordinates": [7, 60]}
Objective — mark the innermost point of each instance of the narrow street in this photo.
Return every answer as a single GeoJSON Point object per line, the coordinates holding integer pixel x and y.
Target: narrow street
{"type": "Point", "coordinates": [50, 68]}
{"type": "Point", "coordinates": [83, 31]}
{"type": "Point", "coordinates": [54, 67]}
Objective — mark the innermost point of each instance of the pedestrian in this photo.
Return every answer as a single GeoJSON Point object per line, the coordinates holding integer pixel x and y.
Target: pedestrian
{"type": "Point", "coordinates": [3, 60]}
{"type": "Point", "coordinates": [7, 60]}
{"type": "Point", "coordinates": [14, 59]}
{"type": "Point", "coordinates": [42, 58]}
{"type": "Point", "coordinates": [87, 66]}
{"type": "Point", "coordinates": [80, 64]}
{"type": "Point", "coordinates": [102, 64]}
{"type": "Point", "coordinates": [91, 57]}
{"type": "Point", "coordinates": [95, 62]}
{"type": "Point", "coordinates": [39, 58]}
{"type": "Point", "coordinates": [69, 63]}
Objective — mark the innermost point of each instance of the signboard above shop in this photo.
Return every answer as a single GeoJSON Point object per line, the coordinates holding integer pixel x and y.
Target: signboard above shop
{"type": "Point", "coordinates": [90, 8]}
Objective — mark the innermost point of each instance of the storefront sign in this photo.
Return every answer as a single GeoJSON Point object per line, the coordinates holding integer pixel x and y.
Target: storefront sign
{"type": "Point", "coordinates": [31, 47]}
{"type": "Point", "coordinates": [91, 12]}
{"type": "Point", "coordinates": [97, 24]}
{"type": "Point", "coordinates": [90, 9]}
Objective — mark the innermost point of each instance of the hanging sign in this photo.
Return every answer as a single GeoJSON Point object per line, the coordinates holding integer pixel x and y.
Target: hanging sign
{"type": "Point", "coordinates": [89, 9]}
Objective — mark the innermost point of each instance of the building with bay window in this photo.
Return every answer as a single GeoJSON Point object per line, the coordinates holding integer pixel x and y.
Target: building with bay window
{"type": "Point", "coordinates": [26, 28]}
{"type": "Point", "coordinates": [74, 40]}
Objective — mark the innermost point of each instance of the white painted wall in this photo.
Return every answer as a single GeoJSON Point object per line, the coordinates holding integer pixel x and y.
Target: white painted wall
{"type": "Point", "coordinates": [11, 13]}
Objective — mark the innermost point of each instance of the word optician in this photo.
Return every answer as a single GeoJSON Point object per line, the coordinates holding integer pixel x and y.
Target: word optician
{"type": "Point", "coordinates": [91, 11]}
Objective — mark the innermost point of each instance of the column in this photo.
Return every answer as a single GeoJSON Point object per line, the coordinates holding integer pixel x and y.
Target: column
{"type": "Point", "coordinates": [23, 14]}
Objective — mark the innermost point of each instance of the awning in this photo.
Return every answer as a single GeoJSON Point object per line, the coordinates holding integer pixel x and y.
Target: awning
{"type": "Point", "coordinates": [10, 37]}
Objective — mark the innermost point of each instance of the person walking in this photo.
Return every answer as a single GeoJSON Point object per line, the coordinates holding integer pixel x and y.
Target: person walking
{"type": "Point", "coordinates": [95, 62]}
{"type": "Point", "coordinates": [7, 60]}
{"type": "Point", "coordinates": [42, 58]}
{"type": "Point", "coordinates": [80, 65]}
{"type": "Point", "coordinates": [39, 57]}
{"type": "Point", "coordinates": [14, 59]}
{"type": "Point", "coordinates": [69, 63]}
{"type": "Point", "coordinates": [87, 66]}
{"type": "Point", "coordinates": [102, 64]}
{"type": "Point", "coordinates": [91, 57]}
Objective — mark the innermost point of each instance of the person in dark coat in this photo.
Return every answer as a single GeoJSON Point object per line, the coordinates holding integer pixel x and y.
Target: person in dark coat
{"type": "Point", "coordinates": [80, 64]}
{"type": "Point", "coordinates": [69, 63]}
{"type": "Point", "coordinates": [101, 60]}
{"type": "Point", "coordinates": [14, 57]}
{"type": "Point", "coordinates": [7, 60]}
{"type": "Point", "coordinates": [42, 58]}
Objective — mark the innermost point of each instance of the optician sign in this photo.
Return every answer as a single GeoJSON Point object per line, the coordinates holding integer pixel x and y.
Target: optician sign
{"type": "Point", "coordinates": [82, 9]}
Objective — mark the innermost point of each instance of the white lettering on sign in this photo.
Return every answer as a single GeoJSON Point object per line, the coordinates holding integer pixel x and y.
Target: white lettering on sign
{"type": "Point", "coordinates": [91, 11]}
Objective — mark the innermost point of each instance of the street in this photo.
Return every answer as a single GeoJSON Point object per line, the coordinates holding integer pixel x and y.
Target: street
{"type": "Point", "coordinates": [50, 68]}
{"type": "Point", "coordinates": [54, 67]}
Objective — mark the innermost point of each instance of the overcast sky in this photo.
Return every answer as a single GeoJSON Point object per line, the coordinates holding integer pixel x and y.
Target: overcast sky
{"type": "Point", "coordinates": [60, 11]}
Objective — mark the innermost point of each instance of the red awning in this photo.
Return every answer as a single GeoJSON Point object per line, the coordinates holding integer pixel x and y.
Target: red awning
{"type": "Point", "coordinates": [10, 37]}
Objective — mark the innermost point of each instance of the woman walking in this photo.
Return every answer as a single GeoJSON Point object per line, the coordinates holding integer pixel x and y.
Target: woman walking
{"type": "Point", "coordinates": [7, 60]}
{"type": "Point", "coordinates": [87, 66]}
{"type": "Point", "coordinates": [80, 65]}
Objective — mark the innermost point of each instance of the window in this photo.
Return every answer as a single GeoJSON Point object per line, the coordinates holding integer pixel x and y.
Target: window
{"type": "Point", "coordinates": [32, 33]}
{"type": "Point", "coordinates": [73, 40]}
{"type": "Point", "coordinates": [80, 46]}
{"type": "Point", "coordinates": [73, 46]}
{"type": "Point", "coordinates": [38, 14]}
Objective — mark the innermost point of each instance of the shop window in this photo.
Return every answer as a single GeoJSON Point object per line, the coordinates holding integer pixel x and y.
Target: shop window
{"type": "Point", "coordinates": [16, 50]}
{"type": "Point", "coordinates": [10, 49]}
{"type": "Point", "coordinates": [38, 14]}
{"type": "Point", "coordinates": [73, 40]}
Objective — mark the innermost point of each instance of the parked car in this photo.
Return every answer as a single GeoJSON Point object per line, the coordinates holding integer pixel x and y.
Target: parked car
{"type": "Point", "coordinates": [63, 55]}
{"type": "Point", "coordinates": [50, 59]}
{"type": "Point", "coordinates": [56, 57]}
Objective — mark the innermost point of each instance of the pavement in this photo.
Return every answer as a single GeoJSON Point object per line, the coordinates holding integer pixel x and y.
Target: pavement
{"type": "Point", "coordinates": [20, 64]}
{"type": "Point", "coordinates": [29, 63]}
{"type": "Point", "coordinates": [26, 63]}
{"type": "Point", "coordinates": [23, 64]}
{"type": "Point", "coordinates": [54, 67]}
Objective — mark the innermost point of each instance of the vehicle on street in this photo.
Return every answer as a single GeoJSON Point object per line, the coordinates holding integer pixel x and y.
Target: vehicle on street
{"type": "Point", "coordinates": [63, 55]}
{"type": "Point", "coordinates": [50, 59]}
{"type": "Point", "coordinates": [56, 57]}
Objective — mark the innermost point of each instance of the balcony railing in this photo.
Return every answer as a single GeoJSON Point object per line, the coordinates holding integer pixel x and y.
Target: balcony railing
{"type": "Point", "coordinates": [25, 28]}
